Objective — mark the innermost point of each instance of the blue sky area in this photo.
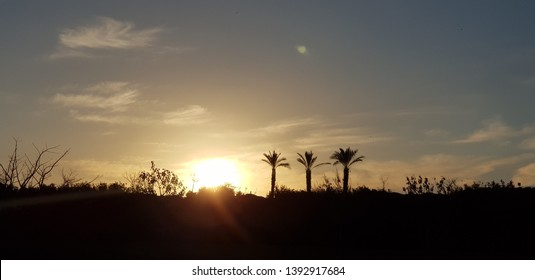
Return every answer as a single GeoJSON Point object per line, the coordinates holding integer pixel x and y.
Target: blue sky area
{"type": "Point", "coordinates": [432, 88]}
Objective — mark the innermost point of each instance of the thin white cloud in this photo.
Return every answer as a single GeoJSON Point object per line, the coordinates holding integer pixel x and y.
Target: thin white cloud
{"type": "Point", "coordinates": [286, 125]}
{"type": "Point", "coordinates": [114, 103]}
{"type": "Point", "coordinates": [102, 117]}
{"type": "Point", "coordinates": [110, 96]}
{"type": "Point", "coordinates": [525, 175]}
{"type": "Point", "coordinates": [494, 130]}
{"type": "Point", "coordinates": [466, 169]}
{"type": "Point", "coordinates": [279, 127]}
{"type": "Point", "coordinates": [108, 33]}
{"type": "Point", "coordinates": [121, 103]}
{"type": "Point", "coordinates": [180, 117]}
{"type": "Point", "coordinates": [193, 114]}
{"type": "Point", "coordinates": [323, 139]}
{"type": "Point", "coordinates": [488, 166]}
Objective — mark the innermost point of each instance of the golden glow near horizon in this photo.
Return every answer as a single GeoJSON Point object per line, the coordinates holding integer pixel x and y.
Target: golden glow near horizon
{"type": "Point", "coordinates": [215, 172]}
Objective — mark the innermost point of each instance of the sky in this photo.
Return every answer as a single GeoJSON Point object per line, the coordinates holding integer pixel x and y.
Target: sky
{"type": "Point", "coordinates": [431, 88]}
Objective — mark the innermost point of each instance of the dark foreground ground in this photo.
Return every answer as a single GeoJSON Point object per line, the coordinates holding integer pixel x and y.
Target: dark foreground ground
{"type": "Point", "coordinates": [487, 224]}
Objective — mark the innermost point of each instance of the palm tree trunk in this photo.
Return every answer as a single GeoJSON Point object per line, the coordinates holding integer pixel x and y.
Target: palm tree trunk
{"type": "Point", "coordinates": [273, 176]}
{"type": "Point", "coordinates": [346, 180]}
{"type": "Point", "coordinates": [309, 180]}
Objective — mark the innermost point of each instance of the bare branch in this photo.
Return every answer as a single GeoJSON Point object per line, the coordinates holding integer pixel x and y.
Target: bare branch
{"type": "Point", "coordinates": [10, 171]}
{"type": "Point", "coordinates": [69, 179]}
{"type": "Point", "coordinates": [44, 169]}
{"type": "Point", "coordinates": [27, 171]}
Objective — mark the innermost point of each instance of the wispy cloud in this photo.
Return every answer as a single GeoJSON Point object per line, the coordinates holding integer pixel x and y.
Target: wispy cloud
{"type": "Point", "coordinates": [489, 165]}
{"type": "Point", "coordinates": [464, 168]}
{"type": "Point", "coordinates": [111, 96]}
{"type": "Point", "coordinates": [528, 144]}
{"type": "Point", "coordinates": [105, 34]}
{"type": "Point", "coordinates": [525, 175]}
{"type": "Point", "coordinates": [108, 33]}
{"type": "Point", "coordinates": [285, 126]}
{"type": "Point", "coordinates": [122, 103]}
{"type": "Point", "coordinates": [104, 117]}
{"type": "Point", "coordinates": [323, 139]}
{"type": "Point", "coordinates": [193, 114]}
{"type": "Point", "coordinates": [146, 117]}
{"type": "Point", "coordinates": [495, 130]}
{"type": "Point", "coordinates": [275, 128]}
{"type": "Point", "coordinates": [436, 133]}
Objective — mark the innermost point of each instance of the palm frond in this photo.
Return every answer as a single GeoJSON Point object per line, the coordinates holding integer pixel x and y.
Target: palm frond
{"type": "Point", "coordinates": [266, 161]}
{"type": "Point", "coordinates": [273, 158]}
{"type": "Point", "coordinates": [301, 160]}
{"type": "Point", "coordinates": [312, 159]}
{"type": "Point", "coordinates": [346, 157]}
{"type": "Point", "coordinates": [356, 160]}
{"type": "Point", "coordinates": [284, 164]}
{"type": "Point", "coordinates": [320, 164]}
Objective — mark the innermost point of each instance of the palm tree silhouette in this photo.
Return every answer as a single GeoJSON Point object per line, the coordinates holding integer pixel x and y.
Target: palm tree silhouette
{"type": "Point", "coordinates": [275, 160]}
{"type": "Point", "coordinates": [346, 157]}
{"type": "Point", "coordinates": [308, 161]}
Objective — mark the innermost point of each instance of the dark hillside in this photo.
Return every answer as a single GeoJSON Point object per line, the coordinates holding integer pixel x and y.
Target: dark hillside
{"type": "Point", "coordinates": [480, 224]}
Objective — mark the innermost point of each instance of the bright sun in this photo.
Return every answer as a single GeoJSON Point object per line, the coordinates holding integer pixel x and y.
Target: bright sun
{"type": "Point", "coordinates": [215, 172]}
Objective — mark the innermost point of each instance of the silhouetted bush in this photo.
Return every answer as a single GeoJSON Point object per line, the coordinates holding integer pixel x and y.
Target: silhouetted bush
{"type": "Point", "coordinates": [329, 185]}
{"type": "Point", "coordinates": [117, 187]}
{"type": "Point", "coordinates": [226, 190]}
{"type": "Point", "coordinates": [285, 191]}
{"type": "Point", "coordinates": [422, 185]}
{"type": "Point", "coordinates": [361, 189]}
{"type": "Point", "coordinates": [418, 185]}
{"type": "Point", "coordinates": [157, 181]}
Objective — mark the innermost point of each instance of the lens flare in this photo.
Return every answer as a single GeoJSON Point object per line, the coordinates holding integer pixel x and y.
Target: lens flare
{"type": "Point", "coordinates": [301, 49]}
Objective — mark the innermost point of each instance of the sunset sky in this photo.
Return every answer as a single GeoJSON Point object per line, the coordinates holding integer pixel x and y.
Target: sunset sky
{"type": "Point", "coordinates": [432, 88]}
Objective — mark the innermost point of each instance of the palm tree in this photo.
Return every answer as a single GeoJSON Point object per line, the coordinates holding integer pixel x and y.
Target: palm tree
{"type": "Point", "coordinates": [308, 161]}
{"type": "Point", "coordinates": [275, 160]}
{"type": "Point", "coordinates": [346, 157]}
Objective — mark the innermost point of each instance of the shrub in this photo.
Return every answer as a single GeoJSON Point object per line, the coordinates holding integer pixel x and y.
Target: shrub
{"type": "Point", "coordinates": [158, 181]}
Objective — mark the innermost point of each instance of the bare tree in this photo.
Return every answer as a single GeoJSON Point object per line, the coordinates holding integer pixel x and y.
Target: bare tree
{"type": "Point", "coordinates": [70, 178]}
{"type": "Point", "coordinates": [9, 174]}
{"type": "Point", "coordinates": [27, 172]}
{"type": "Point", "coordinates": [131, 177]}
